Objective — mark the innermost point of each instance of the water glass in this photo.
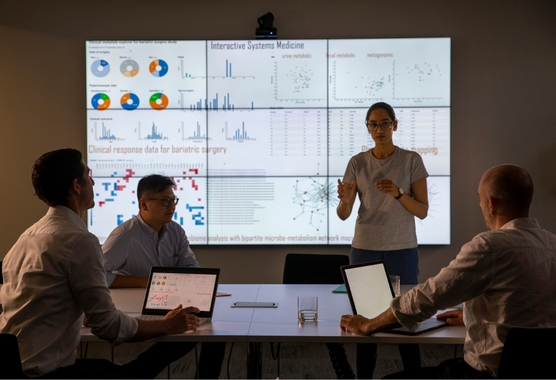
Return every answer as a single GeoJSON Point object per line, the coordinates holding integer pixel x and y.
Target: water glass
{"type": "Point", "coordinates": [307, 308]}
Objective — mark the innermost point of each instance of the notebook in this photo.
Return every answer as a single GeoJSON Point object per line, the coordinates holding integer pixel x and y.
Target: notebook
{"type": "Point", "coordinates": [169, 287]}
{"type": "Point", "coordinates": [370, 293]}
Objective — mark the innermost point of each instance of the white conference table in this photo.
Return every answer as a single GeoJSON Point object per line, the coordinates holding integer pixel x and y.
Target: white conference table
{"type": "Point", "coordinates": [259, 325]}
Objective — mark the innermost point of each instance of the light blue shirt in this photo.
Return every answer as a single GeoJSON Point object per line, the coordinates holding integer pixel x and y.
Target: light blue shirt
{"type": "Point", "coordinates": [134, 247]}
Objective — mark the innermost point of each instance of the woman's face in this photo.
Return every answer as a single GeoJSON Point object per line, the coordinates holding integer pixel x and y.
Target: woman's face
{"type": "Point", "coordinates": [381, 126]}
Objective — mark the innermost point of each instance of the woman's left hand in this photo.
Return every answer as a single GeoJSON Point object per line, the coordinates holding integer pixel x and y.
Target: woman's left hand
{"type": "Point", "coordinates": [387, 187]}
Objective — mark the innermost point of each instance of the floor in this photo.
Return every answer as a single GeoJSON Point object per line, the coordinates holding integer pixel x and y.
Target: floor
{"type": "Point", "coordinates": [297, 361]}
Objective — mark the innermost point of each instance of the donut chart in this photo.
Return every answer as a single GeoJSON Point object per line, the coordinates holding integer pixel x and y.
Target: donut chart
{"type": "Point", "coordinates": [158, 101]}
{"type": "Point", "coordinates": [158, 68]}
{"type": "Point", "coordinates": [129, 101]}
{"type": "Point", "coordinates": [100, 102]}
{"type": "Point", "coordinates": [129, 68]}
{"type": "Point", "coordinates": [100, 68]}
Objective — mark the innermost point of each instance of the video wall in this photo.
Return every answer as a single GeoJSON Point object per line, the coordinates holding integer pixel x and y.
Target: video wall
{"type": "Point", "coordinates": [256, 133]}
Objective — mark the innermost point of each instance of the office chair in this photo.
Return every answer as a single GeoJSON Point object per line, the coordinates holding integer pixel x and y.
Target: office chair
{"type": "Point", "coordinates": [528, 353]}
{"type": "Point", "coordinates": [10, 361]}
{"type": "Point", "coordinates": [314, 269]}
{"type": "Point", "coordinates": [319, 269]}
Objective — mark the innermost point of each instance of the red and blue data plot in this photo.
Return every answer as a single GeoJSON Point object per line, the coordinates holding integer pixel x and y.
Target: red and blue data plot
{"type": "Point", "coordinates": [116, 202]}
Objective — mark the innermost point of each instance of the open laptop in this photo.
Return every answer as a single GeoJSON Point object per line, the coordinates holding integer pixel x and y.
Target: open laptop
{"type": "Point", "coordinates": [370, 293]}
{"type": "Point", "coordinates": [171, 286]}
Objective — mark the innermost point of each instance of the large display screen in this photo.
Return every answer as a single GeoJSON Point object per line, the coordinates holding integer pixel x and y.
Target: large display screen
{"type": "Point", "coordinates": [257, 133]}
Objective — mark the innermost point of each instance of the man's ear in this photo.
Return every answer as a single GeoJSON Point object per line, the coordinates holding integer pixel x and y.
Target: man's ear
{"type": "Point", "coordinates": [143, 204]}
{"type": "Point", "coordinates": [493, 205]}
{"type": "Point", "coordinates": [75, 187]}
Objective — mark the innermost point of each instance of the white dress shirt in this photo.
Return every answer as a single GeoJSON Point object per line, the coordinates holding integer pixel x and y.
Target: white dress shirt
{"type": "Point", "coordinates": [506, 279]}
{"type": "Point", "coordinates": [52, 275]}
{"type": "Point", "coordinates": [134, 247]}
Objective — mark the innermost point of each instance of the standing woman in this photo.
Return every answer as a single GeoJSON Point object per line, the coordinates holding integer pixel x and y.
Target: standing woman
{"type": "Point", "coordinates": [392, 186]}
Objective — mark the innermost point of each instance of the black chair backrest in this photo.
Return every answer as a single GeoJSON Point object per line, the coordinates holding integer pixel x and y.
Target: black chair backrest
{"type": "Point", "coordinates": [10, 361]}
{"type": "Point", "coordinates": [314, 269]}
{"type": "Point", "coordinates": [1, 275]}
{"type": "Point", "coordinates": [528, 354]}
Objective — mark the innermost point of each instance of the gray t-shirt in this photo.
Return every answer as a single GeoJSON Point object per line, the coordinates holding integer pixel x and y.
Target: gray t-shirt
{"type": "Point", "coordinates": [383, 223]}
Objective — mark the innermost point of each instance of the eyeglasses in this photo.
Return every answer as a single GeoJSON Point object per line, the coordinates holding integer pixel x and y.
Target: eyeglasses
{"type": "Point", "coordinates": [384, 125]}
{"type": "Point", "coordinates": [165, 201]}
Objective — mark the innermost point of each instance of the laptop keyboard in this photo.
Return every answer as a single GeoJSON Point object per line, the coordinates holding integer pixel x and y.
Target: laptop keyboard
{"type": "Point", "coordinates": [203, 321]}
{"type": "Point", "coordinates": [150, 317]}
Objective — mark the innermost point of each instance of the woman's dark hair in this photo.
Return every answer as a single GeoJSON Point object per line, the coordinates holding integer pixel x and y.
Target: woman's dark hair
{"type": "Point", "coordinates": [381, 105]}
{"type": "Point", "coordinates": [153, 183]}
{"type": "Point", "coordinates": [53, 174]}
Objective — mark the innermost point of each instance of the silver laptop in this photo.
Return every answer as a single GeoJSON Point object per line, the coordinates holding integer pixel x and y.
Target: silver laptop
{"type": "Point", "coordinates": [171, 286]}
{"type": "Point", "coordinates": [370, 293]}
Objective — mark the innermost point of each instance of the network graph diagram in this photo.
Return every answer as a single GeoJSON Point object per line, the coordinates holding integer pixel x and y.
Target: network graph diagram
{"type": "Point", "coordinates": [313, 196]}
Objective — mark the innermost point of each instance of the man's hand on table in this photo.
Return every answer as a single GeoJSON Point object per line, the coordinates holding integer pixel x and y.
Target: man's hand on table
{"type": "Point", "coordinates": [453, 317]}
{"type": "Point", "coordinates": [181, 320]}
{"type": "Point", "coordinates": [360, 325]}
{"type": "Point", "coordinates": [356, 324]}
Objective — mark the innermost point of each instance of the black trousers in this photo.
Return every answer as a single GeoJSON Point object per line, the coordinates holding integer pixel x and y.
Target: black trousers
{"type": "Point", "coordinates": [448, 369]}
{"type": "Point", "coordinates": [147, 365]}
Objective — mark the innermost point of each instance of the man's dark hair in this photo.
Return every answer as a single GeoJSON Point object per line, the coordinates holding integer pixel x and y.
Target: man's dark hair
{"type": "Point", "coordinates": [53, 174]}
{"type": "Point", "coordinates": [384, 106]}
{"type": "Point", "coordinates": [153, 183]}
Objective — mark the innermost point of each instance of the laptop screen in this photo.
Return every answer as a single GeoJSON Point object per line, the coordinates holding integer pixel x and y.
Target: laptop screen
{"type": "Point", "coordinates": [168, 288]}
{"type": "Point", "coordinates": [369, 288]}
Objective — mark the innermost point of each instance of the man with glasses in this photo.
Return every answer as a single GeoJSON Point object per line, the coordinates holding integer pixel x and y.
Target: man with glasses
{"type": "Point", "coordinates": [152, 239]}
{"type": "Point", "coordinates": [149, 239]}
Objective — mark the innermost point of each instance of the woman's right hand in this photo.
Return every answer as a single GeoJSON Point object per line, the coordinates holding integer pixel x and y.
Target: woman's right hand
{"type": "Point", "coordinates": [347, 192]}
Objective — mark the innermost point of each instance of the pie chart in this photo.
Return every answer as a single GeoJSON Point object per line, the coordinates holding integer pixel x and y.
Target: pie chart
{"type": "Point", "coordinates": [158, 101]}
{"type": "Point", "coordinates": [158, 68]}
{"type": "Point", "coordinates": [100, 102]}
{"type": "Point", "coordinates": [100, 68]}
{"type": "Point", "coordinates": [129, 68]}
{"type": "Point", "coordinates": [129, 101]}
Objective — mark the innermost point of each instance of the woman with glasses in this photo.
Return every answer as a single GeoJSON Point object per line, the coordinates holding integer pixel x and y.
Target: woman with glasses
{"type": "Point", "coordinates": [392, 187]}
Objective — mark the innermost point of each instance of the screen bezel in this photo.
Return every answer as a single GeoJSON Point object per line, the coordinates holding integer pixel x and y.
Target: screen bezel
{"type": "Point", "coordinates": [208, 242]}
{"type": "Point", "coordinates": [209, 271]}
{"type": "Point", "coordinates": [370, 263]}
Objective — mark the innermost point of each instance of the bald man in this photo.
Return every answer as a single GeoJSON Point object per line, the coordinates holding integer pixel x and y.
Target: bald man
{"type": "Point", "coordinates": [504, 277]}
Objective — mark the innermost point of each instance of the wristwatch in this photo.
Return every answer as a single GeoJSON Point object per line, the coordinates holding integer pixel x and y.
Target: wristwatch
{"type": "Point", "coordinates": [401, 193]}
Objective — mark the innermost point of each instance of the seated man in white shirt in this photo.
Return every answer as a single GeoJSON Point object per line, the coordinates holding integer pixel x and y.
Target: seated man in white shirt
{"type": "Point", "coordinates": [54, 275]}
{"type": "Point", "coordinates": [150, 239]}
{"type": "Point", "coordinates": [504, 277]}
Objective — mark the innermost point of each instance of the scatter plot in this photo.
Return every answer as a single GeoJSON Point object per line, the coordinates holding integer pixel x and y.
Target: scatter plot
{"type": "Point", "coordinates": [301, 78]}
